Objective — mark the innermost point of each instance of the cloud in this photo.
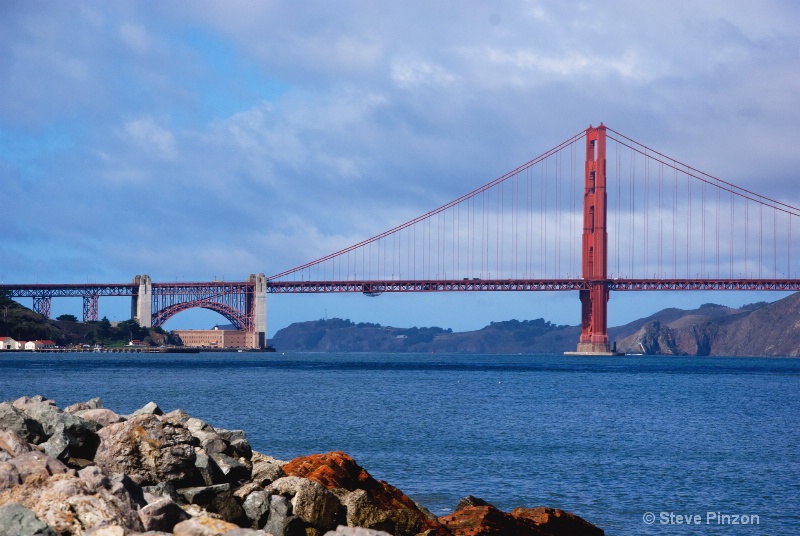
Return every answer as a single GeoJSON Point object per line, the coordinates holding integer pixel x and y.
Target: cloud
{"type": "Point", "coordinates": [154, 140]}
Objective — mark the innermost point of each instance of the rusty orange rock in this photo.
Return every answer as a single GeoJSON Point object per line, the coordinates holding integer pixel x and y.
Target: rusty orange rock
{"type": "Point", "coordinates": [337, 470]}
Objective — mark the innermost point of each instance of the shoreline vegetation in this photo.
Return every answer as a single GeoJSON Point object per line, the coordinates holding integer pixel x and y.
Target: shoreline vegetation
{"type": "Point", "coordinates": [86, 470]}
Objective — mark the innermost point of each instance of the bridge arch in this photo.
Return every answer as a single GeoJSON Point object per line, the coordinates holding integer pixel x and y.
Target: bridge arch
{"type": "Point", "coordinates": [239, 320]}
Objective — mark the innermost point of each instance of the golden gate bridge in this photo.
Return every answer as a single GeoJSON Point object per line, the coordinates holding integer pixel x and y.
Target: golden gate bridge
{"type": "Point", "coordinates": [597, 213]}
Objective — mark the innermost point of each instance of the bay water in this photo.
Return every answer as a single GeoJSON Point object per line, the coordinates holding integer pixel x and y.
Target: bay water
{"type": "Point", "coordinates": [635, 445]}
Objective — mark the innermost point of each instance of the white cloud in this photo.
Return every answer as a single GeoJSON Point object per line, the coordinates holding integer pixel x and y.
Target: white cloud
{"type": "Point", "coordinates": [135, 37]}
{"type": "Point", "coordinates": [409, 74]}
{"type": "Point", "coordinates": [155, 140]}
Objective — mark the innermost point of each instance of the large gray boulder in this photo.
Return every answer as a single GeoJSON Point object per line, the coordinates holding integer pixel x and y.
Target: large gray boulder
{"type": "Point", "coordinates": [80, 435]}
{"type": "Point", "coordinates": [149, 448]}
{"type": "Point", "coordinates": [232, 470]}
{"type": "Point", "coordinates": [217, 499]}
{"type": "Point", "coordinates": [15, 420]}
{"type": "Point", "coordinates": [281, 521]}
{"type": "Point", "coordinates": [151, 408]}
{"type": "Point", "coordinates": [16, 520]}
{"type": "Point", "coordinates": [310, 501]}
{"type": "Point", "coordinates": [266, 469]}
{"type": "Point", "coordinates": [256, 508]}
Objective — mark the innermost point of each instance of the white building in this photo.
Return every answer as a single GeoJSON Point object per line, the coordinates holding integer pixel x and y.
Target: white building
{"type": "Point", "coordinates": [39, 345]}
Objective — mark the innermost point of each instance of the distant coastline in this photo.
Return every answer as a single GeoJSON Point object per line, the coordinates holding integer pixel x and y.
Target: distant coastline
{"type": "Point", "coordinates": [759, 329]}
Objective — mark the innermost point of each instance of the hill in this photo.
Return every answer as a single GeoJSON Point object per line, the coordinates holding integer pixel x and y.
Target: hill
{"type": "Point", "coordinates": [759, 329]}
{"type": "Point", "coordinates": [22, 324]}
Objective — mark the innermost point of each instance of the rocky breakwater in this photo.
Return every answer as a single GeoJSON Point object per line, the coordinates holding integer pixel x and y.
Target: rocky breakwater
{"type": "Point", "coordinates": [88, 470]}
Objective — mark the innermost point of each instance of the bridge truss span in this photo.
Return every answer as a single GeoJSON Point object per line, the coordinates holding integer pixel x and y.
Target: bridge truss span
{"type": "Point", "coordinates": [230, 299]}
{"type": "Point", "coordinates": [375, 288]}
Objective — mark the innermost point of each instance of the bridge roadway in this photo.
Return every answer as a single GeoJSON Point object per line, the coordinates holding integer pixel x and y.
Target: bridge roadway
{"type": "Point", "coordinates": [51, 290]}
{"type": "Point", "coordinates": [511, 285]}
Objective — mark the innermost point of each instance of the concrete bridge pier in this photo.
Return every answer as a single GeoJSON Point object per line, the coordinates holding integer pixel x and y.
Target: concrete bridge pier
{"type": "Point", "coordinates": [259, 308]}
{"type": "Point", "coordinates": [142, 301]}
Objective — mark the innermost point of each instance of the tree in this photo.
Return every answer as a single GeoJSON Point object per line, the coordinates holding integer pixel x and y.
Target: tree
{"type": "Point", "coordinates": [67, 318]}
{"type": "Point", "coordinates": [104, 328]}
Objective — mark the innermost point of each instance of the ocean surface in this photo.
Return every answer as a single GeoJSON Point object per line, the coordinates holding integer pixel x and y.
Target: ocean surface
{"type": "Point", "coordinates": [619, 441]}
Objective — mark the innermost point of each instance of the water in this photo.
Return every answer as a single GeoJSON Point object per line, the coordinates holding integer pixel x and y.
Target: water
{"type": "Point", "coordinates": [607, 438]}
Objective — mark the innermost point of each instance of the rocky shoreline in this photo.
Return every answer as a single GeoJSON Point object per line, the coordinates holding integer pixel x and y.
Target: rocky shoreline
{"type": "Point", "coordinates": [86, 470]}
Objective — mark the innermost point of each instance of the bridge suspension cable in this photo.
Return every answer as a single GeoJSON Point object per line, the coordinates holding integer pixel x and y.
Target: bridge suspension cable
{"type": "Point", "coordinates": [492, 232]}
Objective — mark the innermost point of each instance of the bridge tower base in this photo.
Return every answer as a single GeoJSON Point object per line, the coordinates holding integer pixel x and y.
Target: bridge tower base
{"type": "Point", "coordinates": [259, 308]}
{"type": "Point", "coordinates": [142, 301]}
{"type": "Point", "coordinates": [594, 249]}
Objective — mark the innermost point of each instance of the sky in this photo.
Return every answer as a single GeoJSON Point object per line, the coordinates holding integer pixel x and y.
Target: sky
{"type": "Point", "coordinates": [201, 140]}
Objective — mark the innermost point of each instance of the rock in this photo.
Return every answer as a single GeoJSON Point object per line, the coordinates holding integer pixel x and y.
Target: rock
{"type": "Point", "coordinates": [281, 522]}
{"type": "Point", "coordinates": [24, 402]}
{"type": "Point", "coordinates": [246, 489]}
{"type": "Point", "coordinates": [12, 443]}
{"type": "Point", "coordinates": [113, 530]}
{"type": "Point", "coordinates": [214, 445]}
{"type": "Point", "coordinates": [16, 520]}
{"type": "Point", "coordinates": [203, 526]}
{"type": "Point", "coordinates": [148, 448]}
{"type": "Point", "coordinates": [238, 444]}
{"type": "Point", "coordinates": [76, 407]}
{"type": "Point", "coordinates": [266, 469]}
{"type": "Point", "coordinates": [207, 470]}
{"type": "Point", "coordinates": [120, 482]}
{"type": "Point", "coordinates": [80, 433]}
{"type": "Point", "coordinates": [15, 420]}
{"type": "Point", "coordinates": [487, 521]}
{"type": "Point", "coordinates": [120, 486]}
{"type": "Point", "coordinates": [202, 495]}
{"type": "Point", "coordinates": [217, 499]}
{"type": "Point", "coordinates": [232, 470]}
{"type": "Point", "coordinates": [103, 417]}
{"type": "Point", "coordinates": [161, 490]}
{"type": "Point", "coordinates": [94, 403]}
{"type": "Point", "coordinates": [163, 515]}
{"type": "Point", "coordinates": [361, 511]}
{"type": "Point", "coordinates": [256, 508]}
{"type": "Point", "coordinates": [9, 476]}
{"type": "Point", "coordinates": [311, 502]}
{"type": "Point", "coordinates": [557, 522]}
{"type": "Point", "coordinates": [469, 500]}
{"type": "Point", "coordinates": [387, 507]}
{"type": "Point", "coordinates": [178, 415]}
{"type": "Point", "coordinates": [34, 463]}
{"type": "Point", "coordinates": [151, 408]}
{"type": "Point", "coordinates": [71, 505]}
{"type": "Point", "coordinates": [247, 532]}
{"type": "Point", "coordinates": [355, 531]}
{"type": "Point", "coordinates": [195, 425]}
{"type": "Point", "coordinates": [58, 445]}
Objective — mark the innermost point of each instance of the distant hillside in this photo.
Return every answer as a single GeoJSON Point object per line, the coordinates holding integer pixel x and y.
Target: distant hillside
{"type": "Point", "coordinates": [337, 335]}
{"type": "Point", "coordinates": [22, 324]}
{"type": "Point", "coordinates": [759, 329]}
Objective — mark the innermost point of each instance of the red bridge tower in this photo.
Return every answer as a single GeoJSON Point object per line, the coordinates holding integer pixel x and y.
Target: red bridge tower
{"type": "Point", "coordinates": [594, 301]}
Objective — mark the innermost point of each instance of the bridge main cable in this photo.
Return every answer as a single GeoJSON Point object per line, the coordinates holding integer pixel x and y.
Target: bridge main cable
{"type": "Point", "coordinates": [438, 210]}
